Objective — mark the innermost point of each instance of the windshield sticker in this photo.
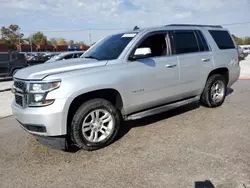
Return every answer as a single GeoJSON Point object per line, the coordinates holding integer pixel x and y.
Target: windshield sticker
{"type": "Point", "coordinates": [131, 35]}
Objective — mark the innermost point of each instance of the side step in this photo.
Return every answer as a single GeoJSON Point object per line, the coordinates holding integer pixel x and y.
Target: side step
{"type": "Point", "coordinates": [161, 109]}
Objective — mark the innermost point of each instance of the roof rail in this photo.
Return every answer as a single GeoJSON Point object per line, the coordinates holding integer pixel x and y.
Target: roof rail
{"type": "Point", "coordinates": [193, 25]}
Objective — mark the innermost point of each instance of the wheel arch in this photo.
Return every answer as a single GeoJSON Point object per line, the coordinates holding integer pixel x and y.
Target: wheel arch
{"type": "Point", "coordinates": [109, 94]}
{"type": "Point", "coordinates": [222, 71]}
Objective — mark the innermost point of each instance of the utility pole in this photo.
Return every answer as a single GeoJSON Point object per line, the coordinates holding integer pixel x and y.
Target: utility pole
{"type": "Point", "coordinates": [90, 38]}
{"type": "Point", "coordinates": [19, 38]}
{"type": "Point", "coordinates": [31, 45]}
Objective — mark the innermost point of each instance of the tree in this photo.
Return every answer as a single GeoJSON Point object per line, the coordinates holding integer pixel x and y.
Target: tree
{"type": "Point", "coordinates": [247, 40]}
{"type": "Point", "coordinates": [238, 41]}
{"type": "Point", "coordinates": [12, 36]}
{"type": "Point", "coordinates": [43, 41]}
{"type": "Point", "coordinates": [61, 42]}
{"type": "Point", "coordinates": [71, 43]}
{"type": "Point", "coordinates": [39, 38]}
{"type": "Point", "coordinates": [53, 41]}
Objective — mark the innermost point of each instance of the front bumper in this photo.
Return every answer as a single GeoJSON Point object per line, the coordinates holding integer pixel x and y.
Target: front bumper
{"type": "Point", "coordinates": [44, 121]}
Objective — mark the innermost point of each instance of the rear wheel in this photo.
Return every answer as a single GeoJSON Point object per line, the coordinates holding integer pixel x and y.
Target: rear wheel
{"type": "Point", "coordinates": [215, 91]}
{"type": "Point", "coordinates": [95, 124]}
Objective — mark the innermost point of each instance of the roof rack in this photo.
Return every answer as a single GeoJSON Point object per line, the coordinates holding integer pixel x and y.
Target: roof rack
{"type": "Point", "coordinates": [193, 25]}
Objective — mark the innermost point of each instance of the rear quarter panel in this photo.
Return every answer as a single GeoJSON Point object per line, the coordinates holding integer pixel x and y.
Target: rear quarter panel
{"type": "Point", "coordinates": [227, 58]}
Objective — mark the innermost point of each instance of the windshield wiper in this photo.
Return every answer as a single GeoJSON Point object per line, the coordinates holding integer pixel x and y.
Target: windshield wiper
{"type": "Point", "coordinates": [91, 57]}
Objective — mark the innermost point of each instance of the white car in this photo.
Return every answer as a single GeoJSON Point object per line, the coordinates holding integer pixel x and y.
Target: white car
{"type": "Point", "coordinates": [66, 55]}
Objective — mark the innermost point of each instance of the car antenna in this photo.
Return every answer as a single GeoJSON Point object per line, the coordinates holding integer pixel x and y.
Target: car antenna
{"type": "Point", "coordinates": [136, 28]}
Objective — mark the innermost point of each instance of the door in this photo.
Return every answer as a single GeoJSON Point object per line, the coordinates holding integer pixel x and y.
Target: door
{"type": "Point", "coordinates": [195, 60]}
{"type": "Point", "coordinates": [4, 64]}
{"type": "Point", "coordinates": [153, 80]}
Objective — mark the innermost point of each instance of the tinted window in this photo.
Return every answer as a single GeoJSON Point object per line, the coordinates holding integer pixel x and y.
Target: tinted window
{"type": "Point", "coordinates": [222, 39]}
{"type": "Point", "coordinates": [185, 42]}
{"type": "Point", "coordinates": [77, 55]}
{"type": "Point", "coordinates": [156, 43]}
{"type": "Point", "coordinates": [14, 56]}
{"type": "Point", "coordinates": [110, 47]}
{"type": "Point", "coordinates": [201, 41]}
{"type": "Point", "coordinates": [68, 56]}
{"type": "Point", "coordinates": [4, 57]}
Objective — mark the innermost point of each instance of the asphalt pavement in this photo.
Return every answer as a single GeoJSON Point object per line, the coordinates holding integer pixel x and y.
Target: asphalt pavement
{"type": "Point", "coordinates": [192, 147]}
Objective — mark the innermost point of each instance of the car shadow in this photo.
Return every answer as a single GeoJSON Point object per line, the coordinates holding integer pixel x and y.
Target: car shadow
{"type": "Point", "coordinates": [229, 91]}
{"type": "Point", "coordinates": [128, 125]}
{"type": "Point", "coordinates": [204, 184]}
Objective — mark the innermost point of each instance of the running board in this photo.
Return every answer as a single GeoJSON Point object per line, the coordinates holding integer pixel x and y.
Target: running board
{"type": "Point", "coordinates": [161, 109]}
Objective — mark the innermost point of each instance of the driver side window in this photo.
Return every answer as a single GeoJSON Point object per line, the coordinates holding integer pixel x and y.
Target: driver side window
{"type": "Point", "coordinates": [157, 44]}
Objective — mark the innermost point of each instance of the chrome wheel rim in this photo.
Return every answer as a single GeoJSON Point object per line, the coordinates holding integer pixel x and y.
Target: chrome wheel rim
{"type": "Point", "coordinates": [97, 125]}
{"type": "Point", "coordinates": [217, 91]}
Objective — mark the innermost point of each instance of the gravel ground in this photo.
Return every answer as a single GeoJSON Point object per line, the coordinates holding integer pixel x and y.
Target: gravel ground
{"type": "Point", "coordinates": [192, 147]}
{"type": "Point", "coordinates": [5, 84]}
{"type": "Point", "coordinates": [5, 101]}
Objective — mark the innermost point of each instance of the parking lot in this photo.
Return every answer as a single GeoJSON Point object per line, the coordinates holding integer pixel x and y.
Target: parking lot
{"type": "Point", "coordinates": [192, 146]}
{"type": "Point", "coordinates": [181, 148]}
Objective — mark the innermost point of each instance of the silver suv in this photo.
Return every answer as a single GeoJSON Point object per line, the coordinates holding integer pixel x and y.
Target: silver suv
{"type": "Point", "coordinates": [125, 76]}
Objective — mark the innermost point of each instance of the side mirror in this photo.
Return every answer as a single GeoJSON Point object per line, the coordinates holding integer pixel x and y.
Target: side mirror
{"type": "Point", "coordinates": [142, 53]}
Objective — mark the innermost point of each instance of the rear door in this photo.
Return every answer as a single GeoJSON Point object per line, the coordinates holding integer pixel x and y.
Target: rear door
{"type": "Point", "coordinates": [194, 58]}
{"type": "Point", "coordinates": [4, 64]}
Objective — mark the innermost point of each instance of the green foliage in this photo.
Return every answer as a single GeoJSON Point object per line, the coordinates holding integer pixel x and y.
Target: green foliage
{"type": "Point", "coordinates": [39, 38]}
{"type": "Point", "coordinates": [53, 41]}
{"type": "Point", "coordinates": [247, 40]}
{"type": "Point", "coordinates": [241, 41]}
{"type": "Point", "coordinates": [12, 36]}
{"type": "Point", "coordinates": [238, 41]}
{"type": "Point", "coordinates": [61, 42]}
{"type": "Point", "coordinates": [71, 42]}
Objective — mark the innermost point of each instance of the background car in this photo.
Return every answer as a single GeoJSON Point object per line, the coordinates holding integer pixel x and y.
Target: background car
{"type": "Point", "coordinates": [65, 55]}
{"type": "Point", "coordinates": [11, 62]}
{"type": "Point", "coordinates": [242, 53]}
{"type": "Point", "coordinates": [38, 59]}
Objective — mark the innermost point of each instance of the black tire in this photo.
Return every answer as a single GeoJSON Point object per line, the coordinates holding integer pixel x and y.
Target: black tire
{"type": "Point", "coordinates": [206, 98]}
{"type": "Point", "coordinates": [83, 111]}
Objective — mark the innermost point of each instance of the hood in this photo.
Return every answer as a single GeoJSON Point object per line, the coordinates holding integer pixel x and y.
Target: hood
{"type": "Point", "coordinates": [38, 72]}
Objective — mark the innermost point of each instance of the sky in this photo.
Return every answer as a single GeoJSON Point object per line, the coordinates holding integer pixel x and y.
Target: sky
{"type": "Point", "coordinates": [105, 17]}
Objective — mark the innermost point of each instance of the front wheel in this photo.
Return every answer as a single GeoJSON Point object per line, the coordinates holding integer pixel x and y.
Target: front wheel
{"type": "Point", "coordinates": [95, 124]}
{"type": "Point", "coordinates": [214, 92]}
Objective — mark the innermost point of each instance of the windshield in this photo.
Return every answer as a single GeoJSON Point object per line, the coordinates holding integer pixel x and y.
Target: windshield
{"type": "Point", "coordinates": [110, 47]}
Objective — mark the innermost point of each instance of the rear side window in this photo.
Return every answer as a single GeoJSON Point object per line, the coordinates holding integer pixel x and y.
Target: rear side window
{"type": "Point", "coordinates": [203, 46]}
{"type": "Point", "coordinates": [4, 57]}
{"type": "Point", "coordinates": [222, 39]}
{"type": "Point", "coordinates": [185, 42]}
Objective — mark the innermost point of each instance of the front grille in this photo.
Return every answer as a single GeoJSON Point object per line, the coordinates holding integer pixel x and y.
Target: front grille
{"type": "Point", "coordinates": [20, 85]}
{"type": "Point", "coordinates": [19, 100]}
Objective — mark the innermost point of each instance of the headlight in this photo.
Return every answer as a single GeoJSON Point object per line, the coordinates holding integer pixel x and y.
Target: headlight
{"type": "Point", "coordinates": [37, 93]}
{"type": "Point", "coordinates": [43, 87]}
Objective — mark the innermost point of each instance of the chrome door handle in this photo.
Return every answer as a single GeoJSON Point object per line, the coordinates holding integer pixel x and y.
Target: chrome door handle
{"type": "Point", "coordinates": [205, 60]}
{"type": "Point", "coordinates": [170, 65]}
